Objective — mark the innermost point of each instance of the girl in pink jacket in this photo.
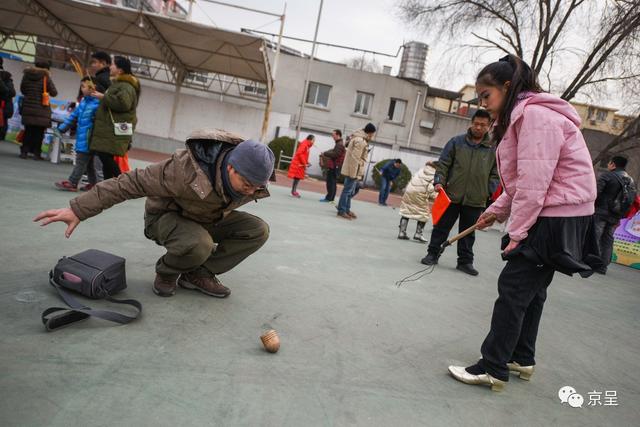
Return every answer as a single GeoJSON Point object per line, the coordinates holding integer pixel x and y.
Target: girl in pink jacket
{"type": "Point", "coordinates": [549, 192]}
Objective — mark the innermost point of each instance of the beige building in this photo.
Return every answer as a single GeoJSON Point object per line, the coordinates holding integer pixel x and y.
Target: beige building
{"type": "Point", "coordinates": [468, 92]}
{"type": "Point", "coordinates": [603, 119]}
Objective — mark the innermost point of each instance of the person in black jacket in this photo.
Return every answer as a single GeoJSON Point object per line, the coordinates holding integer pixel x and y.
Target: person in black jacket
{"type": "Point", "coordinates": [7, 92]}
{"type": "Point", "coordinates": [36, 111]}
{"type": "Point", "coordinates": [99, 66]}
{"type": "Point", "coordinates": [608, 205]}
{"type": "Point", "coordinates": [335, 158]}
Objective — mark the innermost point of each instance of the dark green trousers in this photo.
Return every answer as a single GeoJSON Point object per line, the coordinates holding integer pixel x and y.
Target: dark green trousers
{"type": "Point", "coordinates": [204, 248]}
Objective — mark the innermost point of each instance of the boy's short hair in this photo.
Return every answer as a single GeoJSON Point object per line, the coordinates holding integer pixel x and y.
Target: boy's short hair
{"type": "Point", "coordinates": [102, 56]}
{"type": "Point", "coordinates": [619, 161]}
{"type": "Point", "coordinates": [481, 114]}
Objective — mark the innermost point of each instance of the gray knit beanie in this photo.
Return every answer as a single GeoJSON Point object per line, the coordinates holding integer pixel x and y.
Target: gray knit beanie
{"type": "Point", "coordinates": [253, 160]}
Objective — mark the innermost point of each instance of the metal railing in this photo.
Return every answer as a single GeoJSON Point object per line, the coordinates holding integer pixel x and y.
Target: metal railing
{"type": "Point", "coordinates": [283, 158]}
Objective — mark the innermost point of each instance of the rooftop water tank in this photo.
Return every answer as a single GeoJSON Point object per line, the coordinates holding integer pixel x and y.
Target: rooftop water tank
{"type": "Point", "coordinates": [413, 65]}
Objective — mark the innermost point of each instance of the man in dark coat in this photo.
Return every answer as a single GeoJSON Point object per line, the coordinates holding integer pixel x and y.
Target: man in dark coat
{"type": "Point", "coordinates": [612, 186]}
{"type": "Point", "coordinates": [7, 92]}
{"type": "Point", "coordinates": [467, 171]}
{"type": "Point", "coordinates": [99, 66]}
{"type": "Point", "coordinates": [335, 158]}
{"type": "Point", "coordinates": [36, 111]}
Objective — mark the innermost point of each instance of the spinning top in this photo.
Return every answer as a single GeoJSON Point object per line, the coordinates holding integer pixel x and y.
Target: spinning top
{"type": "Point", "coordinates": [271, 341]}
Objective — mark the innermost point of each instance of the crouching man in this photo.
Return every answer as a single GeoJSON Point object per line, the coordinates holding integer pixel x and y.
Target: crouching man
{"type": "Point", "coordinates": [191, 205]}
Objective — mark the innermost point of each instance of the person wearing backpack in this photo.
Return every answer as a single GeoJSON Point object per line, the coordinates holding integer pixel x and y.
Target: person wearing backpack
{"type": "Point", "coordinates": [616, 193]}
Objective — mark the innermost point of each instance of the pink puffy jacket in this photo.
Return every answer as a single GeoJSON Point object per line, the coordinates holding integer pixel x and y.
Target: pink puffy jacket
{"type": "Point", "coordinates": [544, 165]}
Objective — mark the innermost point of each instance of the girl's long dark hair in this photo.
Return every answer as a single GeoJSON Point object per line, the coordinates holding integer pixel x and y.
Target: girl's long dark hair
{"type": "Point", "coordinates": [523, 79]}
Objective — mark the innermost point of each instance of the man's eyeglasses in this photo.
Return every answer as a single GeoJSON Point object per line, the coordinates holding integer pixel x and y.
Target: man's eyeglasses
{"type": "Point", "coordinates": [249, 186]}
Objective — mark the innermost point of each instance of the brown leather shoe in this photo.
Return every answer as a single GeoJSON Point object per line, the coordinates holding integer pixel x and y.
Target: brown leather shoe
{"type": "Point", "coordinates": [352, 215]}
{"type": "Point", "coordinates": [344, 215]}
{"type": "Point", "coordinates": [209, 285]}
{"type": "Point", "coordinates": [164, 286]}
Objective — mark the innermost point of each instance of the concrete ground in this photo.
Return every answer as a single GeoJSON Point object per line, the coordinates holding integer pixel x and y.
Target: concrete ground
{"type": "Point", "coordinates": [356, 350]}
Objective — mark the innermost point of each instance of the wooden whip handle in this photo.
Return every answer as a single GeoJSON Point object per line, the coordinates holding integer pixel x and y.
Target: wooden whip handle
{"type": "Point", "coordinates": [465, 233]}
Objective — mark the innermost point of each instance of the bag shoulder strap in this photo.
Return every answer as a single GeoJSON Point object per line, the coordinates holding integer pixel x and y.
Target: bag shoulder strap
{"type": "Point", "coordinates": [622, 183]}
{"type": "Point", "coordinates": [44, 85]}
{"type": "Point", "coordinates": [57, 317]}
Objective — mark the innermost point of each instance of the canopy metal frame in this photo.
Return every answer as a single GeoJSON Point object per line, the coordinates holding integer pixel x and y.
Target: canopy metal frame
{"type": "Point", "coordinates": [170, 70]}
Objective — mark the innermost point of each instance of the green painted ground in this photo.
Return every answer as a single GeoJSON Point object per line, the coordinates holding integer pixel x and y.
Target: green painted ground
{"type": "Point", "coordinates": [356, 350]}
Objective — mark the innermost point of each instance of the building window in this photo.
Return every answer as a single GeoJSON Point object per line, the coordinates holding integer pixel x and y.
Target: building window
{"type": "Point", "coordinates": [318, 94]}
{"type": "Point", "coordinates": [430, 102]}
{"type": "Point", "coordinates": [614, 123]}
{"type": "Point", "coordinates": [591, 112]}
{"type": "Point", "coordinates": [140, 66]}
{"type": "Point", "coordinates": [601, 116]}
{"type": "Point", "coordinates": [363, 103]}
{"type": "Point", "coordinates": [253, 89]}
{"type": "Point", "coordinates": [196, 77]}
{"type": "Point", "coordinates": [397, 108]}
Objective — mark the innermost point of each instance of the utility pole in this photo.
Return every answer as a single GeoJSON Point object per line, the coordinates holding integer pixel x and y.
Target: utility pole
{"type": "Point", "coordinates": [271, 87]}
{"type": "Point", "coordinates": [306, 80]}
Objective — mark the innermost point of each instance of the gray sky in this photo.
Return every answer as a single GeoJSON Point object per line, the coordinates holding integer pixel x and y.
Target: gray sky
{"type": "Point", "coordinates": [375, 25]}
{"type": "Point", "coordinates": [364, 24]}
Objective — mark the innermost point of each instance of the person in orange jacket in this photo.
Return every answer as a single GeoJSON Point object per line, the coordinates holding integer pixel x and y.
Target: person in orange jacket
{"type": "Point", "coordinates": [300, 163]}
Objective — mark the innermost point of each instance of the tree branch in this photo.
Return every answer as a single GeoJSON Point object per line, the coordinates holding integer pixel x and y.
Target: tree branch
{"type": "Point", "coordinates": [542, 6]}
{"type": "Point", "coordinates": [550, 42]}
{"type": "Point", "coordinates": [516, 29]}
{"type": "Point", "coordinates": [491, 42]}
{"type": "Point", "coordinates": [621, 28]}
{"type": "Point", "coordinates": [605, 79]}
{"type": "Point", "coordinates": [630, 132]}
{"type": "Point", "coordinates": [508, 39]}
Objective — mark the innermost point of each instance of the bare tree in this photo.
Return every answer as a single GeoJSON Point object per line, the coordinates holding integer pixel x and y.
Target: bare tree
{"type": "Point", "coordinates": [628, 140]}
{"type": "Point", "coordinates": [585, 45]}
{"type": "Point", "coordinates": [364, 63]}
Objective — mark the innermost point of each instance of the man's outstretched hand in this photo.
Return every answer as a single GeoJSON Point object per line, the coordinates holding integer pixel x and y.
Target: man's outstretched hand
{"type": "Point", "coordinates": [65, 215]}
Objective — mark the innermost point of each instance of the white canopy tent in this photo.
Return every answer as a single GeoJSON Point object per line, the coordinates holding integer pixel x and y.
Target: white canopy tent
{"type": "Point", "coordinates": [182, 48]}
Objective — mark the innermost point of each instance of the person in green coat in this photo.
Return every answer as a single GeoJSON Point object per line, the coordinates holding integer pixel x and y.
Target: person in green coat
{"type": "Point", "coordinates": [467, 172]}
{"type": "Point", "coordinates": [117, 105]}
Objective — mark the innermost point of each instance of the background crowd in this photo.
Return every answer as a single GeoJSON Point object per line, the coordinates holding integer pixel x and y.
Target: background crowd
{"type": "Point", "coordinates": [102, 121]}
